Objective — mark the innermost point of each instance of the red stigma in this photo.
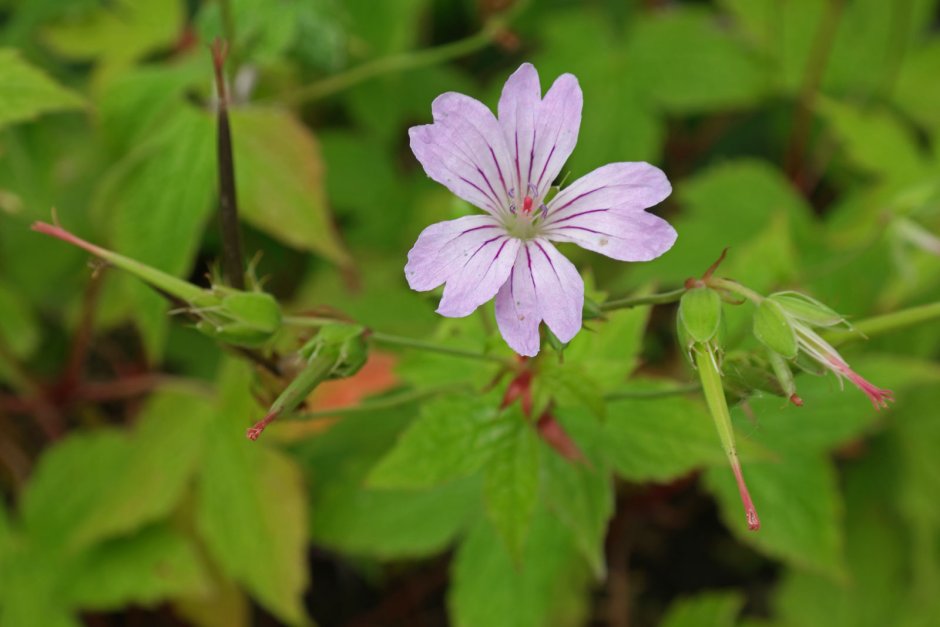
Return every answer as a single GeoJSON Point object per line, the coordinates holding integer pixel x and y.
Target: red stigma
{"type": "Point", "coordinates": [527, 203]}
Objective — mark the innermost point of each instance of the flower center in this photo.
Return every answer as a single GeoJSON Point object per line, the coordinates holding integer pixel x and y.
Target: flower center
{"type": "Point", "coordinates": [523, 222]}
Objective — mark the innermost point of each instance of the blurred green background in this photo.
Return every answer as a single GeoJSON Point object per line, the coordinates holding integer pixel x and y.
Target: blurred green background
{"type": "Point", "coordinates": [801, 133]}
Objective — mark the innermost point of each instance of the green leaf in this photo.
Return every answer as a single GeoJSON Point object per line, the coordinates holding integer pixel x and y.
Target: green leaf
{"type": "Point", "coordinates": [649, 439]}
{"type": "Point", "coordinates": [117, 32]}
{"type": "Point", "coordinates": [279, 171]}
{"type": "Point", "coordinates": [875, 141]}
{"type": "Point", "coordinates": [142, 569]}
{"type": "Point", "coordinates": [262, 492]}
{"type": "Point", "coordinates": [690, 64]}
{"type": "Point", "coordinates": [545, 588]}
{"type": "Point", "coordinates": [26, 92]}
{"type": "Point", "coordinates": [829, 417]}
{"type": "Point", "coordinates": [773, 329]}
{"type": "Point", "coordinates": [19, 330]}
{"type": "Point", "coordinates": [917, 93]}
{"type": "Point", "coordinates": [711, 609]}
{"type": "Point", "coordinates": [511, 487]}
{"type": "Point", "coordinates": [95, 486]}
{"type": "Point", "coordinates": [164, 196]}
{"type": "Point", "coordinates": [348, 516]}
{"type": "Point", "coordinates": [453, 438]}
{"type": "Point", "coordinates": [610, 349]}
{"type": "Point", "coordinates": [735, 204]}
{"type": "Point", "coordinates": [582, 498]}
{"type": "Point", "coordinates": [700, 313]}
{"type": "Point", "coordinates": [800, 509]}
{"type": "Point", "coordinates": [568, 383]}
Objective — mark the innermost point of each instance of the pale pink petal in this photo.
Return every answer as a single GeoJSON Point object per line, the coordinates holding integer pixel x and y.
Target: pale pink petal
{"type": "Point", "coordinates": [556, 131]}
{"type": "Point", "coordinates": [518, 114]}
{"type": "Point", "coordinates": [543, 285]}
{"type": "Point", "coordinates": [624, 186]}
{"type": "Point", "coordinates": [443, 248]}
{"type": "Point", "coordinates": [480, 274]}
{"type": "Point", "coordinates": [464, 150]}
{"type": "Point", "coordinates": [621, 235]}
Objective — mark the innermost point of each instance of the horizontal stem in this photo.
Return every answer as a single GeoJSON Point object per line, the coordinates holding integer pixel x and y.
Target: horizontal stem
{"type": "Point", "coordinates": [886, 323]}
{"type": "Point", "coordinates": [651, 394]}
{"type": "Point", "coordinates": [396, 340]}
{"type": "Point", "coordinates": [394, 63]}
{"type": "Point", "coordinates": [650, 299]}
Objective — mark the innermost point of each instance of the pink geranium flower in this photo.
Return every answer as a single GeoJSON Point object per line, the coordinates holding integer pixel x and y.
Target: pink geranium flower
{"type": "Point", "coordinates": [506, 167]}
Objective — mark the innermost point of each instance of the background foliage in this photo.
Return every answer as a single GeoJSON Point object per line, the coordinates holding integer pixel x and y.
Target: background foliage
{"type": "Point", "coordinates": [801, 133]}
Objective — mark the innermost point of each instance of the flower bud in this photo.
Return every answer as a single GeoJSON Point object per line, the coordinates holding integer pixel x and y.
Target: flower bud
{"type": "Point", "coordinates": [806, 309]}
{"type": "Point", "coordinates": [773, 329]}
{"type": "Point", "coordinates": [699, 315]}
{"type": "Point", "coordinates": [249, 319]}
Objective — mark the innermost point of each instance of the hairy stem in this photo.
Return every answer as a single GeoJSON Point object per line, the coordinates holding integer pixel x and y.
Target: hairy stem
{"type": "Point", "coordinates": [886, 323]}
{"type": "Point", "coordinates": [736, 288]}
{"type": "Point", "coordinates": [650, 299]}
{"type": "Point", "coordinates": [396, 340]}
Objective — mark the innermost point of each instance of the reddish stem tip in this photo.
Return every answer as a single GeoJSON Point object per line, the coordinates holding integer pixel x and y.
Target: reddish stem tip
{"type": "Point", "coordinates": [254, 432]}
{"type": "Point", "coordinates": [753, 521]}
{"type": "Point", "coordinates": [714, 266]}
{"type": "Point", "coordinates": [796, 400]}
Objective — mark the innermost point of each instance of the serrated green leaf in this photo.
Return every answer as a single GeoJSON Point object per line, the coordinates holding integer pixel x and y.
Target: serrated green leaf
{"type": "Point", "coordinates": [100, 485]}
{"type": "Point", "coordinates": [348, 516]}
{"type": "Point", "coordinates": [263, 491]}
{"type": "Point", "coordinates": [700, 314]}
{"type": "Point", "coordinates": [545, 588]}
{"type": "Point", "coordinates": [26, 92]}
{"type": "Point", "coordinates": [875, 141]}
{"type": "Point", "coordinates": [164, 196]}
{"type": "Point", "coordinates": [689, 64]}
{"type": "Point", "coordinates": [452, 439]}
{"type": "Point", "coordinates": [610, 349]}
{"type": "Point", "coordinates": [118, 32]}
{"type": "Point", "coordinates": [829, 417]}
{"type": "Point", "coordinates": [773, 329]}
{"type": "Point", "coordinates": [712, 609]}
{"type": "Point", "coordinates": [568, 383]}
{"type": "Point", "coordinates": [582, 497]}
{"type": "Point", "coordinates": [146, 568]}
{"type": "Point", "coordinates": [800, 508]}
{"type": "Point", "coordinates": [648, 439]}
{"type": "Point", "coordinates": [279, 172]}
{"type": "Point", "coordinates": [511, 486]}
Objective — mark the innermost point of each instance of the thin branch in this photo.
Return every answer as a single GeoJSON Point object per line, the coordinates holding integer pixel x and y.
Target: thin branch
{"type": "Point", "coordinates": [637, 301]}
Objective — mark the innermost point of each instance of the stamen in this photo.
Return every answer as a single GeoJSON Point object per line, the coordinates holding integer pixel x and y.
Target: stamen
{"type": "Point", "coordinates": [544, 209]}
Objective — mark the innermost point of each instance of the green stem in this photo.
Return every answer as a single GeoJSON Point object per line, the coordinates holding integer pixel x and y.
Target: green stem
{"type": "Point", "coordinates": [396, 340]}
{"type": "Point", "coordinates": [651, 299]}
{"type": "Point", "coordinates": [733, 286]}
{"type": "Point", "coordinates": [651, 394]}
{"type": "Point", "coordinates": [394, 63]}
{"type": "Point", "coordinates": [389, 402]}
{"type": "Point", "coordinates": [310, 321]}
{"type": "Point", "coordinates": [886, 323]}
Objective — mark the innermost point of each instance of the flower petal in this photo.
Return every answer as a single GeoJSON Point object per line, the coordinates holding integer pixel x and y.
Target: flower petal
{"type": "Point", "coordinates": [464, 150]}
{"type": "Point", "coordinates": [621, 235]}
{"type": "Point", "coordinates": [543, 285]}
{"type": "Point", "coordinates": [443, 248]}
{"type": "Point", "coordinates": [556, 131]}
{"type": "Point", "coordinates": [480, 274]}
{"type": "Point", "coordinates": [518, 114]}
{"type": "Point", "coordinates": [627, 186]}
